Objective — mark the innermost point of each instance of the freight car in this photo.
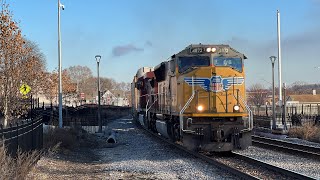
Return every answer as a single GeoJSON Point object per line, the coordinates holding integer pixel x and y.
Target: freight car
{"type": "Point", "coordinates": [197, 98]}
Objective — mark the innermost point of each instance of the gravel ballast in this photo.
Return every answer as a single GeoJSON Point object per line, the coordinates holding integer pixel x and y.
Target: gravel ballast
{"type": "Point", "coordinates": [138, 155]}
{"type": "Point", "coordinates": [306, 166]}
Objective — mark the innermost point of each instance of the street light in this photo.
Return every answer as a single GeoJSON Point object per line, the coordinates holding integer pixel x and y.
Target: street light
{"type": "Point", "coordinates": [60, 64]}
{"type": "Point", "coordinates": [98, 57]}
{"type": "Point", "coordinates": [273, 59]}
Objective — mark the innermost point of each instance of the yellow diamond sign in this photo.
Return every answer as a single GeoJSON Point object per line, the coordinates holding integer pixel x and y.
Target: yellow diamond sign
{"type": "Point", "coordinates": [25, 89]}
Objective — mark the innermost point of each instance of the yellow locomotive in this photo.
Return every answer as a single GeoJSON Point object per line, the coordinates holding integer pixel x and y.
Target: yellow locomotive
{"type": "Point", "coordinates": [196, 98]}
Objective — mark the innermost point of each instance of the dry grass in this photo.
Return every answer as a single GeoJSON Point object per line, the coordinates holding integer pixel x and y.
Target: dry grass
{"type": "Point", "coordinates": [19, 167]}
{"type": "Point", "coordinates": [60, 139]}
{"type": "Point", "coordinates": [307, 131]}
{"type": "Point", "coordinates": [65, 140]}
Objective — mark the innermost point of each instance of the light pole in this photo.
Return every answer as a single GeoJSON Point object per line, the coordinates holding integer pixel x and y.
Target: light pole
{"type": "Point", "coordinates": [279, 59]}
{"type": "Point", "coordinates": [60, 64]}
{"type": "Point", "coordinates": [273, 59]}
{"type": "Point", "coordinates": [98, 57]}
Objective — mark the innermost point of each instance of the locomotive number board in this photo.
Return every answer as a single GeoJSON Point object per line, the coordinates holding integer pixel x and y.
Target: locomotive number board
{"type": "Point", "coordinates": [196, 50]}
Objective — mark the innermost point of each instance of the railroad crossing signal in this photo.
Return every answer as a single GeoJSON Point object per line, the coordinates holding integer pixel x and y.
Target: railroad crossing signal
{"type": "Point", "coordinates": [25, 89]}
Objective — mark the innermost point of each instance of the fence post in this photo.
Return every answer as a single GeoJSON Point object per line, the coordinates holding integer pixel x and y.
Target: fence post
{"type": "Point", "coordinates": [310, 110]}
{"type": "Point", "coordinates": [31, 108]}
{"type": "Point", "coordinates": [41, 134]}
{"type": "Point", "coordinates": [11, 135]}
{"type": "Point", "coordinates": [1, 130]}
{"type": "Point", "coordinates": [32, 138]}
{"type": "Point", "coordinates": [43, 105]}
{"type": "Point", "coordinates": [267, 110]}
{"type": "Point", "coordinates": [17, 124]}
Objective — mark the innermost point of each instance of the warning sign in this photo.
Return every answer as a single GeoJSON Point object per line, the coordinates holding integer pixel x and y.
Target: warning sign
{"type": "Point", "coordinates": [25, 89]}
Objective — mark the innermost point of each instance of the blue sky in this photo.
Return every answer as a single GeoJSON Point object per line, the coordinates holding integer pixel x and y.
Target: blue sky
{"type": "Point", "coordinates": [129, 34]}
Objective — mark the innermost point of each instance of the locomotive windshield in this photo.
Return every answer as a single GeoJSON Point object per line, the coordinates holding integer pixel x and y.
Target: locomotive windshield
{"type": "Point", "coordinates": [233, 62]}
{"type": "Point", "coordinates": [187, 62]}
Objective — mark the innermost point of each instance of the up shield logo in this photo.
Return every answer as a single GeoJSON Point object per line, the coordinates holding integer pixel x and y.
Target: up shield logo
{"type": "Point", "coordinates": [216, 83]}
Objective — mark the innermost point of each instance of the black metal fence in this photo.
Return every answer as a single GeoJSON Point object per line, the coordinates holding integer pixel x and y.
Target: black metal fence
{"type": "Point", "coordinates": [84, 115]}
{"type": "Point", "coordinates": [296, 115]}
{"type": "Point", "coordinates": [25, 136]}
{"type": "Point", "coordinates": [305, 109]}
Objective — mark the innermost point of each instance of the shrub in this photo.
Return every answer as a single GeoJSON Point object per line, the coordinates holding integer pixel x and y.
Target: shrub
{"type": "Point", "coordinates": [60, 139]}
{"type": "Point", "coordinates": [306, 131]}
{"type": "Point", "coordinates": [64, 140]}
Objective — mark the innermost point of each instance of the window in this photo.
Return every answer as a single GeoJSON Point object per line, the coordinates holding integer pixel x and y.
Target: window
{"type": "Point", "coordinates": [233, 62]}
{"type": "Point", "coordinates": [188, 62]}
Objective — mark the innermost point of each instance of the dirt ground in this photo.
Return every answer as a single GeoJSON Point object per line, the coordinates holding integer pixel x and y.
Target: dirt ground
{"type": "Point", "coordinates": [79, 164]}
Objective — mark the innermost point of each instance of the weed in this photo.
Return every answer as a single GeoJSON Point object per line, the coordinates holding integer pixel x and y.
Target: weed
{"type": "Point", "coordinates": [19, 167]}
{"type": "Point", "coordinates": [307, 131]}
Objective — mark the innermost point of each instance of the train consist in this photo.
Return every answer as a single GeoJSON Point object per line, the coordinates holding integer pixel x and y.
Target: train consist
{"type": "Point", "coordinates": [196, 98]}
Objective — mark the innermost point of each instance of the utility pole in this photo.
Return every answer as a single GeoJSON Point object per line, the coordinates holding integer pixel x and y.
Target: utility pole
{"type": "Point", "coordinates": [98, 57]}
{"type": "Point", "coordinates": [279, 59]}
{"type": "Point", "coordinates": [60, 66]}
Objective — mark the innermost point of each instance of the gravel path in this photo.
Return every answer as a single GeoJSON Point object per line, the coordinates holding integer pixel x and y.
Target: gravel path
{"type": "Point", "coordinates": [309, 167]}
{"type": "Point", "coordinates": [139, 156]}
{"type": "Point", "coordinates": [136, 155]}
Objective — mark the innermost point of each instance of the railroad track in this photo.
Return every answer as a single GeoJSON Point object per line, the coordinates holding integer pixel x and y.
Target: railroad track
{"type": "Point", "coordinates": [291, 148]}
{"type": "Point", "coordinates": [220, 162]}
{"type": "Point", "coordinates": [284, 172]}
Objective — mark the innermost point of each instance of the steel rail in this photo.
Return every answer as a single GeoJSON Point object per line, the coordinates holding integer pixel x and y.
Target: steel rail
{"type": "Point", "coordinates": [280, 170]}
{"type": "Point", "coordinates": [289, 147]}
{"type": "Point", "coordinates": [222, 166]}
{"type": "Point", "coordinates": [229, 169]}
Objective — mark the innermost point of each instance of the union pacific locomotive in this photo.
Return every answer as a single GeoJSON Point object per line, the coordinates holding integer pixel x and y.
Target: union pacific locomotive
{"type": "Point", "coordinates": [196, 98]}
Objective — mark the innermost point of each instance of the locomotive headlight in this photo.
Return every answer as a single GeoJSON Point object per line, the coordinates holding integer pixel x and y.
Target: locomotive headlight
{"type": "Point", "coordinates": [208, 49]}
{"type": "Point", "coordinates": [200, 108]}
{"type": "Point", "coordinates": [213, 49]}
{"type": "Point", "coordinates": [236, 108]}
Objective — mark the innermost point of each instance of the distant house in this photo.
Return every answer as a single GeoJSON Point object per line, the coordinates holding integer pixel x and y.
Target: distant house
{"type": "Point", "coordinates": [268, 100]}
{"type": "Point", "coordinates": [109, 99]}
{"type": "Point", "coordinates": [303, 99]}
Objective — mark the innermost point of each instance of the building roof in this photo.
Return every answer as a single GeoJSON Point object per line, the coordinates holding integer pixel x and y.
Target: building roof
{"type": "Point", "coordinates": [305, 98]}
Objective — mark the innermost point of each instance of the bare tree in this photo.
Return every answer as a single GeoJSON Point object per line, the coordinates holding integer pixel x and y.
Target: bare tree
{"type": "Point", "coordinates": [89, 88]}
{"type": "Point", "coordinates": [79, 74]}
{"type": "Point", "coordinates": [302, 88]}
{"type": "Point", "coordinates": [257, 94]}
{"type": "Point", "coordinates": [108, 84]}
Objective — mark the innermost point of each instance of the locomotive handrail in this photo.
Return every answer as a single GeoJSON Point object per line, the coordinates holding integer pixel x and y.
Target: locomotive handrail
{"type": "Point", "coordinates": [147, 108]}
{"type": "Point", "coordinates": [151, 94]}
{"type": "Point", "coordinates": [184, 108]}
{"type": "Point", "coordinates": [250, 113]}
